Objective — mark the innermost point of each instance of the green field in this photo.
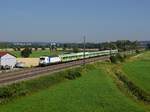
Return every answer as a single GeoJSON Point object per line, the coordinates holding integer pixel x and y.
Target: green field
{"type": "Point", "coordinates": [95, 91]}
{"type": "Point", "coordinates": [36, 54]}
{"type": "Point", "coordinates": [139, 71]}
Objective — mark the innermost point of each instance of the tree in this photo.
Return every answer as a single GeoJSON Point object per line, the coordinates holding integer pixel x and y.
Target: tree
{"type": "Point", "coordinates": [43, 48]}
{"type": "Point", "coordinates": [112, 45]}
{"type": "Point", "coordinates": [15, 49]}
{"type": "Point", "coordinates": [134, 45]}
{"type": "Point", "coordinates": [3, 45]}
{"type": "Point", "coordinates": [64, 47]}
{"type": "Point", "coordinates": [35, 48]}
{"type": "Point", "coordinates": [75, 49]}
{"type": "Point", "coordinates": [105, 46]}
{"type": "Point", "coordinates": [148, 46]}
{"type": "Point", "coordinates": [26, 52]}
{"type": "Point", "coordinates": [124, 45]}
{"type": "Point", "coordinates": [99, 46]}
{"type": "Point", "coordinates": [18, 49]}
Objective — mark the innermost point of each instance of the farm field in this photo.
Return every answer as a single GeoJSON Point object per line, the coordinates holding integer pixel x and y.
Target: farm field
{"type": "Point", "coordinates": [95, 91]}
{"type": "Point", "coordinates": [139, 71]}
{"type": "Point", "coordinates": [37, 54]}
{"type": "Point", "coordinates": [29, 62]}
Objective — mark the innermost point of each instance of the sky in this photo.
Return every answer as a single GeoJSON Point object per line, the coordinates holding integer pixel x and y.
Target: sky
{"type": "Point", "coordinates": [70, 20]}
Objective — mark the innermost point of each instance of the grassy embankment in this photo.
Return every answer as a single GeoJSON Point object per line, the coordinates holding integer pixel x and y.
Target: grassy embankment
{"type": "Point", "coordinates": [95, 91]}
{"type": "Point", "coordinates": [138, 71]}
{"type": "Point", "coordinates": [133, 76]}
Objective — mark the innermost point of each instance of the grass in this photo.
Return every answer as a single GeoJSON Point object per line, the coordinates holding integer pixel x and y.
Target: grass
{"type": "Point", "coordinates": [95, 91]}
{"type": "Point", "coordinates": [9, 92]}
{"type": "Point", "coordinates": [36, 54]}
{"type": "Point", "coordinates": [139, 71]}
{"type": "Point", "coordinates": [16, 53]}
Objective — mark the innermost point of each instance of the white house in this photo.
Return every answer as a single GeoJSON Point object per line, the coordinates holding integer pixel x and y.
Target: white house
{"type": "Point", "coordinates": [7, 60]}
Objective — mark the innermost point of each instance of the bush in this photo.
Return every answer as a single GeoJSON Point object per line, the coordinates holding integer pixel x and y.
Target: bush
{"type": "Point", "coordinates": [71, 75]}
{"type": "Point", "coordinates": [118, 58]}
{"type": "Point", "coordinates": [113, 59]}
{"type": "Point", "coordinates": [136, 91]}
{"type": "Point", "coordinates": [23, 88]}
{"type": "Point", "coordinates": [13, 90]}
{"type": "Point", "coordinates": [137, 51]}
{"type": "Point", "coordinates": [125, 56]}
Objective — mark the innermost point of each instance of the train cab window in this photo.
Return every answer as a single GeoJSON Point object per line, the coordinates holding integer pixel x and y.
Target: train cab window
{"type": "Point", "coordinates": [42, 58]}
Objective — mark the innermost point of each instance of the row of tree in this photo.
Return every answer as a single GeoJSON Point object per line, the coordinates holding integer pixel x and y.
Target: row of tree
{"type": "Point", "coordinates": [35, 48]}
{"type": "Point", "coordinates": [121, 45]}
{"type": "Point", "coordinates": [16, 47]}
{"type": "Point", "coordinates": [148, 46]}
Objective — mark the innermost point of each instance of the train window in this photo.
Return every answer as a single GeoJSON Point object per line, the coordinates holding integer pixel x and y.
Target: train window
{"type": "Point", "coordinates": [42, 58]}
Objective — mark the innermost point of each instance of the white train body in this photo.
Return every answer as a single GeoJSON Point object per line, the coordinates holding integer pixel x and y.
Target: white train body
{"type": "Point", "coordinates": [47, 60]}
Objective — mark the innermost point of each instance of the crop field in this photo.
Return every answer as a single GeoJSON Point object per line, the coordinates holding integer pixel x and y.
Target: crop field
{"type": "Point", "coordinates": [38, 53]}
{"type": "Point", "coordinates": [29, 62]}
{"type": "Point", "coordinates": [95, 91]}
{"type": "Point", "coordinates": [139, 71]}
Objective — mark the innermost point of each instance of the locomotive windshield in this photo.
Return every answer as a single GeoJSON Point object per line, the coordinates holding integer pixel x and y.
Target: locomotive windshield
{"type": "Point", "coordinates": [42, 58]}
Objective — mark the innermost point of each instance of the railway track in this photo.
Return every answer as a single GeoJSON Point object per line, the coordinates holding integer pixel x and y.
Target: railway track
{"type": "Point", "coordinates": [8, 78]}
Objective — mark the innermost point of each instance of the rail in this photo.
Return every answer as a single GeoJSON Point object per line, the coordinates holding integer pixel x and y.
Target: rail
{"type": "Point", "coordinates": [9, 78]}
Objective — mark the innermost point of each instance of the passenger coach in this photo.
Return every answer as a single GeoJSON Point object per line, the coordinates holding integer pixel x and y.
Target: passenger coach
{"type": "Point", "coordinates": [47, 60]}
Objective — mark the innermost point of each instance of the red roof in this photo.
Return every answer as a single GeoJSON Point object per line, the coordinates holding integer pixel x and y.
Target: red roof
{"type": "Point", "coordinates": [3, 53]}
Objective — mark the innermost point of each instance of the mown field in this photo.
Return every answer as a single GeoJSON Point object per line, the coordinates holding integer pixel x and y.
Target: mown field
{"type": "Point", "coordinates": [139, 71]}
{"type": "Point", "coordinates": [36, 54]}
{"type": "Point", "coordinates": [95, 91]}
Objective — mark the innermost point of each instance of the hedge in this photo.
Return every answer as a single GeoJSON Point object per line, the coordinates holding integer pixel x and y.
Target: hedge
{"type": "Point", "coordinates": [26, 87]}
{"type": "Point", "coordinates": [135, 90]}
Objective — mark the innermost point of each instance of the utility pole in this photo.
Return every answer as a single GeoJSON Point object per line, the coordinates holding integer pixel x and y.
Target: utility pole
{"type": "Point", "coordinates": [110, 48]}
{"type": "Point", "coordinates": [84, 40]}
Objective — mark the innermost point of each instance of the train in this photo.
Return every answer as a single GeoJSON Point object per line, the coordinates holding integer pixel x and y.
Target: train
{"type": "Point", "coordinates": [48, 60]}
